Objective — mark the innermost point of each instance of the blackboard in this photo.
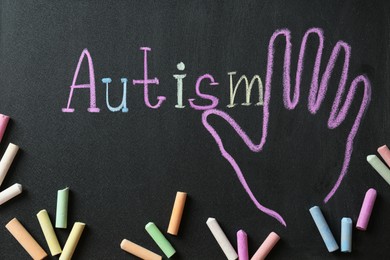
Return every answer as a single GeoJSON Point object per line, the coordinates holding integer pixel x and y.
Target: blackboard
{"type": "Point", "coordinates": [124, 169]}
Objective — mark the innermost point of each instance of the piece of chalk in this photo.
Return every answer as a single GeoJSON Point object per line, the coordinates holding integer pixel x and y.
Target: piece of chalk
{"type": "Point", "coordinates": [25, 239]}
{"type": "Point", "coordinates": [221, 238]}
{"type": "Point", "coordinates": [177, 213]}
{"type": "Point", "coordinates": [10, 193]}
{"type": "Point", "coordinates": [323, 228]}
{"type": "Point", "coordinates": [72, 241]}
{"type": "Point", "coordinates": [365, 211]}
{"type": "Point", "coordinates": [62, 208]}
{"type": "Point", "coordinates": [3, 125]}
{"type": "Point", "coordinates": [48, 232]}
{"type": "Point", "coordinates": [266, 247]}
{"type": "Point", "coordinates": [138, 251]}
{"type": "Point", "coordinates": [385, 154]}
{"type": "Point", "coordinates": [242, 245]}
{"type": "Point", "coordinates": [346, 235]}
{"type": "Point", "coordinates": [7, 159]}
{"type": "Point", "coordinates": [160, 240]}
{"type": "Point", "coordinates": [379, 166]}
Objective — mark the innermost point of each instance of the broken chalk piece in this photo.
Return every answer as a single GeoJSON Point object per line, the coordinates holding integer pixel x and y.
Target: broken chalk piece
{"type": "Point", "coordinates": [346, 235]}
{"type": "Point", "coordinates": [221, 238]}
{"type": "Point", "coordinates": [379, 166]}
{"type": "Point", "coordinates": [324, 229]}
{"type": "Point", "coordinates": [385, 154]}
{"type": "Point", "coordinates": [160, 240]}
{"type": "Point", "coordinates": [62, 208]}
{"type": "Point", "coordinates": [138, 251]}
{"type": "Point", "coordinates": [10, 193]}
{"type": "Point", "coordinates": [266, 246]}
{"type": "Point", "coordinates": [25, 239]}
{"type": "Point", "coordinates": [72, 241]}
{"type": "Point", "coordinates": [3, 125]}
{"type": "Point", "coordinates": [177, 213]}
{"type": "Point", "coordinates": [7, 159]}
{"type": "Point", "coordinates": [48, 232]}
{"type": "Point", "coordinates": [365, 211]}
{"type": "Point", "coordinates": [242, 245]}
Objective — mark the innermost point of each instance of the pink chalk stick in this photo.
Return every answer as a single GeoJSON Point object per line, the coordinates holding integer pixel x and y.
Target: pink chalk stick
{"type": "Point", "coordinates": [242, 245]}
{"type": "Point", "coordinates": [366, 209]}
{"type": "Point", "coordinates": [3, 124]}
{"type": "Point", "coordinates": [266, 247]}
{"type": "Point", "coordinates": [385, 153]}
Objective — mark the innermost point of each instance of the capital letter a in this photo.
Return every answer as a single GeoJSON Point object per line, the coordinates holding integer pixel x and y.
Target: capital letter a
{"type": "Point", "coordinates": [92, 106]}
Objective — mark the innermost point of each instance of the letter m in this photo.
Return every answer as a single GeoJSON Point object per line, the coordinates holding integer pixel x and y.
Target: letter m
{"type": "Point", "coordinates": [248, 89]}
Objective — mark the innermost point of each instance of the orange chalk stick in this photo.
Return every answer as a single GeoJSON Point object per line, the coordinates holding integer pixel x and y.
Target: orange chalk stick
{"type": "Point", "coordinates": [139, 251]}
{"type": "Point", "coordinates": [177, 213]}
{"type": "Point", "coordinates": [266, 247]}
{"type": "Point", "coordinates": [25, 239]}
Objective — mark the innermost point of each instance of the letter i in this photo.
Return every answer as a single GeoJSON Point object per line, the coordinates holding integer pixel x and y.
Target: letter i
{"type": "Point", "coordinates": [179, 77]}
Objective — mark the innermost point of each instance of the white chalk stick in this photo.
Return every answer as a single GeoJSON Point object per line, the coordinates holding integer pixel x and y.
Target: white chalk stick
{"type": "Point", "coordinates": [10, 192]}
{"type": "Point", "coordinates": [6, 160]}
{"type": "Point", "coordinates": [221, 238]}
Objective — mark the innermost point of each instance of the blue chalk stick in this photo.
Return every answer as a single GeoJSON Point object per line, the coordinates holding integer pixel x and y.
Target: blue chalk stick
{"type": "Point", "coordinates": [323, 228]}
{"type": "Point", "coordinates": [346, 235]}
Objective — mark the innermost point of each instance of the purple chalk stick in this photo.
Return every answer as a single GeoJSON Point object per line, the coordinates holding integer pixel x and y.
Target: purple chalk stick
{"type": "Point", "coordinates": [242, 245]}
{"type": "Point", "coordinates": [366, 209]}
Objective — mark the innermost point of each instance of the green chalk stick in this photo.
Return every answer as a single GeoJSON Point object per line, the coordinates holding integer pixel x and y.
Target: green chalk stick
{"type": "Point", "coordinates": [62, 208]}
{"type": "Point", "coordinates": [160, 240]}
{"type": "Point", "coordinates": [380, 167]}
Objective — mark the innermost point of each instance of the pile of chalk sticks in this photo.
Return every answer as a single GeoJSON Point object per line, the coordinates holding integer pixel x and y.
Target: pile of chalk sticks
{"type": "Point", "coordinates": [18, 231]}
{"type": "Point", "coordinates": [27, 241]}
{"type": "Point", "coordinates": [5, 164]}
{"type": "Point", "coordinates": [242, 243]}
{"type": "Point", "coordinates": [157, 236]}
{"type": "Point", "coordinates": [37, 252]}
{"type": "Point", "coordinates": [173, 228]}
{"type": "Point", "coordinates": [365, 211]}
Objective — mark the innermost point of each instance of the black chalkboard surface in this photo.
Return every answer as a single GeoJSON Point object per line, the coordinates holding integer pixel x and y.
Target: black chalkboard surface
{"type": "Point", "coordinates": [294, 146]}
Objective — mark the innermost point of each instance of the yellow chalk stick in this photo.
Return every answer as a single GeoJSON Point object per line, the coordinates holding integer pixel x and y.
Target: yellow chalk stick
{"type": "Point", "coordinates": [48, 232]}
{"type": "Point", "coordinates": [25, 239]}
{"type": "Point", "coordinates": [139, 251]}
{"type": "Point", "coordinates": [177, 213]}
{"type": "Point", "coordinates": [72, 241]}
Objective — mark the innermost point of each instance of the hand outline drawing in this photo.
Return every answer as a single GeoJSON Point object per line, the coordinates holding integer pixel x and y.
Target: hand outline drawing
{"type": "Point", "coordinates": [317, 94]}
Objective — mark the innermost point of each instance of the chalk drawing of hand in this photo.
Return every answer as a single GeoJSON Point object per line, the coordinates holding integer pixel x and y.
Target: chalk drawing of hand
{"type": "Point", "coordinates": [317, 93]}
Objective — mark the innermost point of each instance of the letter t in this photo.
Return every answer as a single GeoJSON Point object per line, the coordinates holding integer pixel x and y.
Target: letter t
{"type": "Point", "coordinates": [147, 81]}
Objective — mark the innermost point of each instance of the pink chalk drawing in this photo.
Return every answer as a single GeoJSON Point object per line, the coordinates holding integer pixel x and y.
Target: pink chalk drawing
{"type": "Point", "coordinates": [317, 94]}
{"type": "Point", "coordinates": [146, 81]}
{"type": "Point", "coordinates": [92, 107]}
{"type": "Point", "coordinates": [213, 99]}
